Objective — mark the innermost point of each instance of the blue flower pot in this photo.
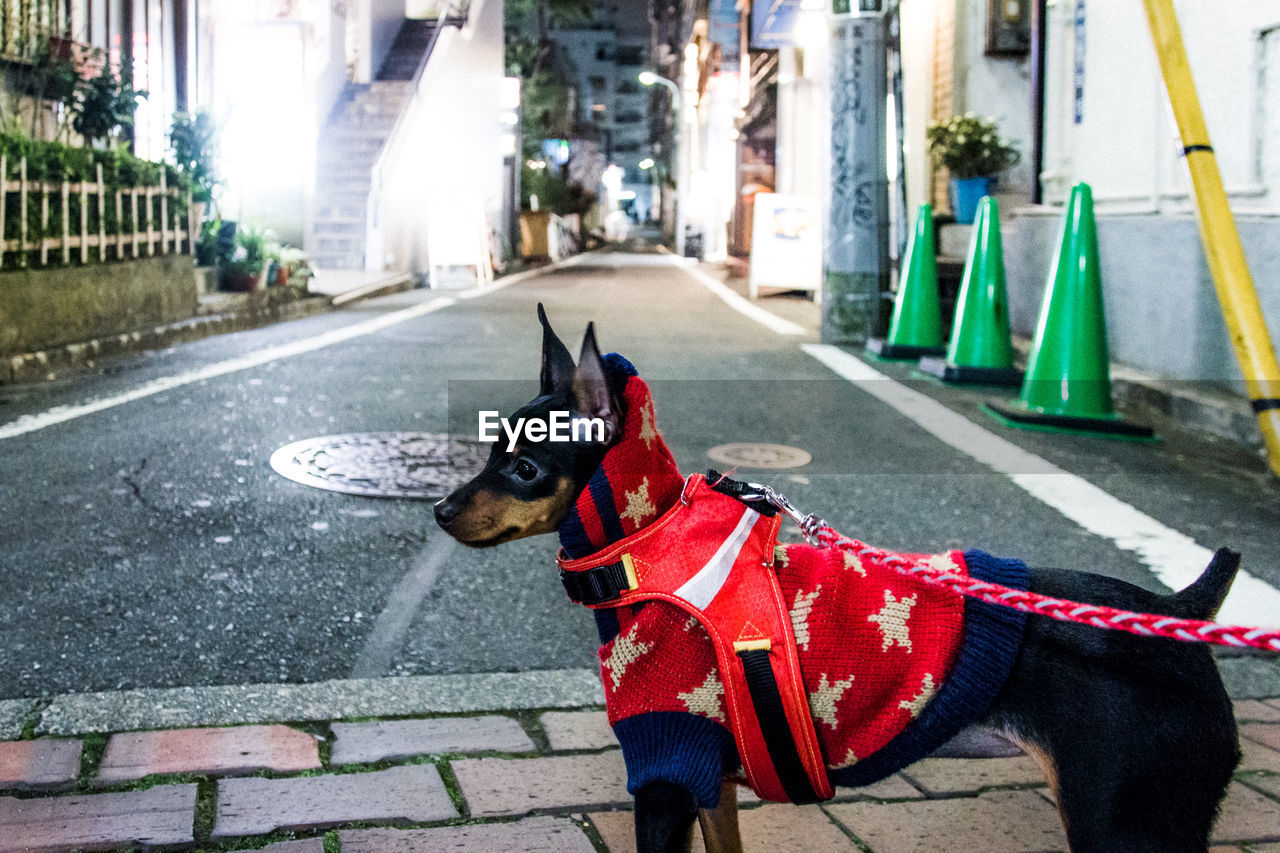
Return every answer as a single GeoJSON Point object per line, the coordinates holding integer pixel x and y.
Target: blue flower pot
{"type": "Point", "coordinates": [965, 195]}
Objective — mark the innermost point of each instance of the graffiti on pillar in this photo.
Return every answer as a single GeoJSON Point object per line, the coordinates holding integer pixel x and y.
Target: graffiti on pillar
{"type": "Point", "coordinates": [852, 200]}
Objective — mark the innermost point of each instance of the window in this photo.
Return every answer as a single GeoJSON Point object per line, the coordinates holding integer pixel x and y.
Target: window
{"type": "Point", "coordinates": [630, 55]}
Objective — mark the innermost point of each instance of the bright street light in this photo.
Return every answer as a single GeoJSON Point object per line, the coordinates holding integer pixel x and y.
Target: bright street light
{"type": "Point", "coordinates": [646, 163]}
{"type": "Point", "coordinates": [648, 78]}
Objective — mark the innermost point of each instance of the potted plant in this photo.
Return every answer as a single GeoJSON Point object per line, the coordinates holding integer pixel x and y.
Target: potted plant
{"type": "Point", "coordinates": [970, 149]}
{"type": "Point", "coordinates": [105, 104]}
{"type": "Point", "coordinates": [294, 268]}
{"type": "Point", "coordinates": [242, 270]}
{"type": "Point", "coordinates": [207, 243]}
{"type": "Point", "coordinates": [193, 139]}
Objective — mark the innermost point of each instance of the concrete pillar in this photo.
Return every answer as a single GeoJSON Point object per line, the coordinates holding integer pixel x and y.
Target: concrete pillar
{"type": "Point", "coordinates": [856, 256]}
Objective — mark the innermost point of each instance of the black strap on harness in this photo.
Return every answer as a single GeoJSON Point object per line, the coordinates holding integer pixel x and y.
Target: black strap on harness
{"type": "Point", "coordinates": [761, 683]}
{"type": "Point", "coordinates": [598, 585]}
{"type": "Point", "coordinates": [745, 492]}
{"type": "Point", "coordinates": [774, 727]}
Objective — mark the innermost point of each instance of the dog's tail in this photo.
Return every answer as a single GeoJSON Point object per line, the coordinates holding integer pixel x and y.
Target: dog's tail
{"type": "Point", "coordinates": [1202, 599]}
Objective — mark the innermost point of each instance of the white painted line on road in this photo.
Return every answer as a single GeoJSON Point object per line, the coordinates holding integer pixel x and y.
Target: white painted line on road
{"type": "Point", "coordinates": [1173, 557]}
{"type": "Point", "coordinates": [61, 414]}
{"type": "Point", "coordinates": [740, 304]}
{"type": "Point", "coordinates": [379, 649]}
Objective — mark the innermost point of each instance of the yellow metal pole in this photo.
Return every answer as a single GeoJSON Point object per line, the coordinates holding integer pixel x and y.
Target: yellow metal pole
{"type": "Point", "coordinates": [1240, 307]}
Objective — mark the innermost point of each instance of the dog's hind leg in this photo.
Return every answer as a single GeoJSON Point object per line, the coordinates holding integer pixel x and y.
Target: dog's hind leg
{"type": "Point", "coordinates": [720, 825]}
{"type": "Point", "coordinates": [1136, 734]}
{"type": "Point", "coordinates": [1127, 794]}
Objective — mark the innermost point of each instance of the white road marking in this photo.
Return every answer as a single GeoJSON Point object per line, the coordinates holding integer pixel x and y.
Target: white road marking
{"type": "Point", "coordinates": [61, 414]}
{"type": "Point", "coordinates": [380, 647]}
{"type": "Point", "coordinates": [740, 304]}
{"type": "Point", "coordinates": [1175, 558]}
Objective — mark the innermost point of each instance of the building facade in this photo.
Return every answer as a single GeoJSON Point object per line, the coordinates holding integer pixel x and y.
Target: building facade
{"type": "Point", "coordinates": [154, 40]}
{"type": "Point", "coordinates": [611, 108]}
{"type": "Point", "coordinates": [1105, 120]}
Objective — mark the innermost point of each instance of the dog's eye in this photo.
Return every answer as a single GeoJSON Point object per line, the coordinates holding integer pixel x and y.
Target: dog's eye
{"type": "Point", "coordinates": [525, 470]}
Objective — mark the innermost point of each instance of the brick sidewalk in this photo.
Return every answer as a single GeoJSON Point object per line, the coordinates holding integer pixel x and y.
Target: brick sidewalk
{"type": "Point", "coordinates": [529, 781]}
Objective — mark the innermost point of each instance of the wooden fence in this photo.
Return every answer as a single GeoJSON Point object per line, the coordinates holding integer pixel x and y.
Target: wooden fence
{"type": "Point", "coordinates": [150, 220]}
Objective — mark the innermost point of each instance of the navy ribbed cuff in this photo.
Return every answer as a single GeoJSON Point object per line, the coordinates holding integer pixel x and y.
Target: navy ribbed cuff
{"type": "Point", "coordinates": [671, 746]}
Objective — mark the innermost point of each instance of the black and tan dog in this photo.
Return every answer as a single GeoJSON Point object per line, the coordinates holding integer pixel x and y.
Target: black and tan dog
{"type": "Point", "coordinates": [1136, 736]}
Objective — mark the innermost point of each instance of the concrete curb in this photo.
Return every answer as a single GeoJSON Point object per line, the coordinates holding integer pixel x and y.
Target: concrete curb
{"type": "Point", "coordinates": [1245, 676]}
{"type": "Point", "coordinates": [382, 287]}
{"type": "Point", "coordinates": [13, 713]}
{"type": "Point", "coordinates": [185, 707]}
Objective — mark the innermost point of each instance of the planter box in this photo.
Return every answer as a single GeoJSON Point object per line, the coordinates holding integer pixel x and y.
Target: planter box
{"type": "Point", "coordinates": [43, 308]}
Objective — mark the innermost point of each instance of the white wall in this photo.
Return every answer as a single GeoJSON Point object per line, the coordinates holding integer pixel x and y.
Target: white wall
{"type": "Point", "coordinates": [997, 87]}
{"type": "Point", "coordinates": [1125, 144]}
{"type": "Point", "coordinates": [800, 166]}
{"type": "Point", "coordinates": [448, 156]}
{"type": "Point", "coordinates": [1162, 314]}
{"type": "Point", "coordinates": [328, 54]}
{"type": "Point", "coordinates": [917, 18]}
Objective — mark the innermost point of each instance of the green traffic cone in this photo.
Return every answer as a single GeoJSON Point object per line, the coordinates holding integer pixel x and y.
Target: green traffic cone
{"type": "Point", "coordinates": [980, 351]}
{"type": "Point", "coordinates": [916, 327]}
{"type": "Point", "coordinates": [1068, 384]}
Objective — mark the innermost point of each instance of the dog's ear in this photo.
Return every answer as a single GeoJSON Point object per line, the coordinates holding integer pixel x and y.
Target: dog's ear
{"type": "Point", "coordinates": [557, 364]}
{"type": "Point", "coordinates": [591, 391]}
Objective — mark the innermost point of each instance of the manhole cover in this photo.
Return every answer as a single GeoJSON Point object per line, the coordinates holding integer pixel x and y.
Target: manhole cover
{"type": "Point", "coordinates": [752, 455]}
{"type": "Point", "coordinates": [382, 464]}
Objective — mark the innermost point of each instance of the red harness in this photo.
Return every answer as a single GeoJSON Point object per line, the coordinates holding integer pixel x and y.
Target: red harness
{"type": "Point", "coordinates": [713, 557]}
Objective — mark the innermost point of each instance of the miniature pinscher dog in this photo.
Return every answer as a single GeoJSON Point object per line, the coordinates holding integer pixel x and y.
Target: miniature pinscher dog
{"type": "Point", "coordinates": [1135, 735]}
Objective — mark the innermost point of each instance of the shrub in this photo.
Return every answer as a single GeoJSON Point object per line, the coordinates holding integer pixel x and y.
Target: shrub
{"type": "Point", "coordinates": [970, 147]}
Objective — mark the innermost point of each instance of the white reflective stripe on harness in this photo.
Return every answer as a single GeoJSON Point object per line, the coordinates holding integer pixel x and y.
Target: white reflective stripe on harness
{"type": "Point", "coordinates": [702, 588]}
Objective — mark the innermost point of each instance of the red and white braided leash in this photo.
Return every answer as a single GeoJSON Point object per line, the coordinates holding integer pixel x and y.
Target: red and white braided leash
{"type": "Point", "coordinates": [1142, 624]}
{"type": "Point", "coordinates": [822, 534]}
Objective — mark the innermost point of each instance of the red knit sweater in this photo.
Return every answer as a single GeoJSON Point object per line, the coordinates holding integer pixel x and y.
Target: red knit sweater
{"type": "Point", "coordinates": [874, 645]}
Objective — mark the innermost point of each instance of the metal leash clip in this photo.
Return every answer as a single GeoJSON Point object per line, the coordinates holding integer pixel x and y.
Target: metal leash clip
{"type": "Point", "coordinates": [808, 523]}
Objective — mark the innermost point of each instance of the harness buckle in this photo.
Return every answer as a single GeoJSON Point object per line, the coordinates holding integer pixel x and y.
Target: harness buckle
{"type": "Point", "coordinates": [601, 584]}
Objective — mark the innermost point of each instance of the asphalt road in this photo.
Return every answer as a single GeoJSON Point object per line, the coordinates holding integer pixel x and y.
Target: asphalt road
{"type": "Point", "coordinates": [149, 544]}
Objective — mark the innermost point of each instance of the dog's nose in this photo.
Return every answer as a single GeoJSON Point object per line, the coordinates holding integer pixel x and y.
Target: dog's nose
{"type": "Point", "coordinates": [446, 513]}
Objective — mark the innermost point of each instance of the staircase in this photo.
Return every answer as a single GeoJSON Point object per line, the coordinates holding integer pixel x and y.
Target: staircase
{"type": "Point", "coordinates": [411, 42]}
{"type": "Point", "coordinates": [349, 146]}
